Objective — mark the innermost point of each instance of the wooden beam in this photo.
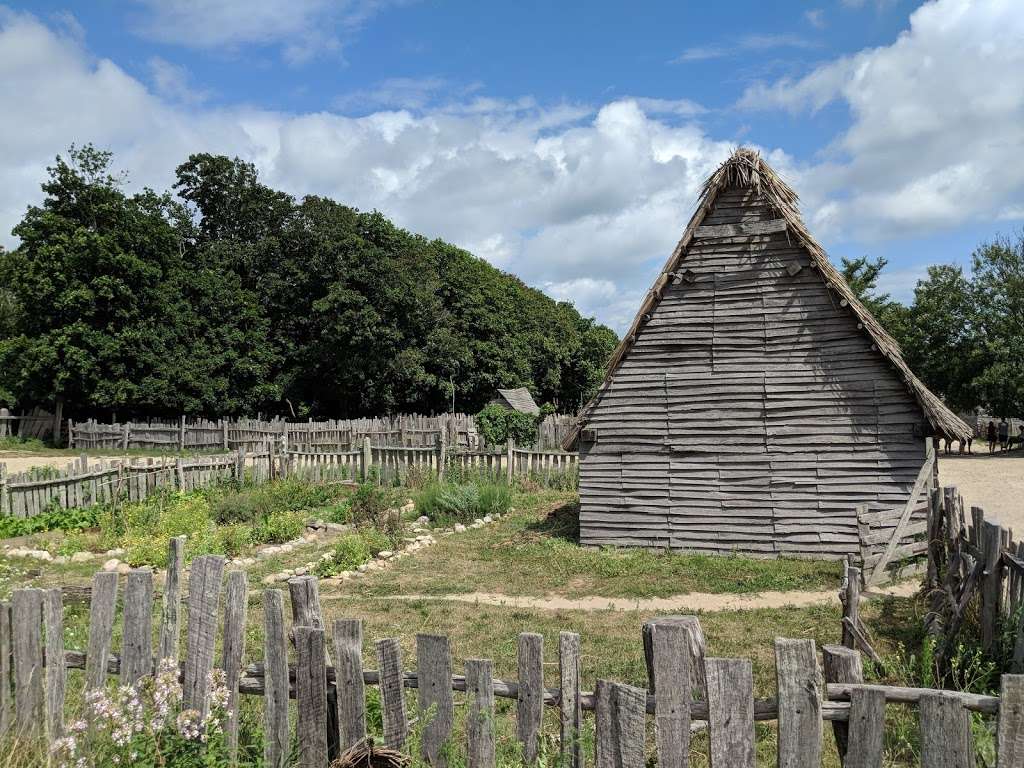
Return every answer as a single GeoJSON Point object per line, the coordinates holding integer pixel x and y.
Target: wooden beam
{"type": "Point", "coordinates": [742, 229]}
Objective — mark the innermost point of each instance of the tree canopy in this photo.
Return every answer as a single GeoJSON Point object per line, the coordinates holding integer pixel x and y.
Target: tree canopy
{"type": "Point", "coordinates": [228, 297]}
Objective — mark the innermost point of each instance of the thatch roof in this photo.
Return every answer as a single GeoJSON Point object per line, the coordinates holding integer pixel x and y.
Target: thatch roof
{"type": "Point", "coordinates": [746, 169]}
{"type": "Point", "coordinates": [518, 400]}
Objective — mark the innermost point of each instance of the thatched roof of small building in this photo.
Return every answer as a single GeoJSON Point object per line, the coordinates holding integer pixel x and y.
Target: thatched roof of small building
{"type": "Point", "coordinates": [746, 169]}
{"type": "Point", "coordinates": [518, 400]}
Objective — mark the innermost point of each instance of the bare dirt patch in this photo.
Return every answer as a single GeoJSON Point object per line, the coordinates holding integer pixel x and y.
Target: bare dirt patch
{"type": "Point", "coordinates": [994, 482]}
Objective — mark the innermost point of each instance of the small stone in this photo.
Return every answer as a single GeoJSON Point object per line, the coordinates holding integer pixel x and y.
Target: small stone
{"type": "Point", "coordinates": [270, 579]}
{"type": "Point", "coordinates": [301, 571]}
{"type": "Point", "coordinates": [115, 552]}
{"type": "Point", "coordinates": [60, 559]}
{"type": "Point", "coordinates": [41, 554]}
{"type": "Point", "coordinates": [488, 519]}
{"type": "Point", "coordinates": [408, 507]}
{"type": "Point", "coordinates": [326, 556]}
{"type": "Point", "coordinates": [477, 524]}
{"type": "Point", "coordinates": [288, 573]}
{"type": "Point", "coordinates": [459, 528]}
{"type": "Point", "coordinates": [363, 568]}
{"type": "Point", "coordinates": [422, 519]}
{"type": "Point", "coordinates": [336, 527]}
{"type": "Point", "coordinates": [111, 564]}
{"type": "Point", "coordinates": [384, 554]}
{"type": "Point", "coordinates": [124, 569]}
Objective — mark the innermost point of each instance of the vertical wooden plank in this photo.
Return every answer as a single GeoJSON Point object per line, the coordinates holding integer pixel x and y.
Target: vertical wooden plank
{"type": "Point", "coordinates": [842, 665]}
{"type": "Point", "coordinates": [695, 648]}
{"type": "Point", "coordinates": [480, 720]}
{"type": "Point", "coordinates": [672, 698]}
{"type": "Point", "coordinates": [945, 733]}
{"type": "Point", "coordinates": [348, 667]}
{"type": "Point", "coordinates": [604, 746]}
{"type": "Point", "coordinates": [101, 627]}
{"type": "Point", "coordinates": [136, 648]}
{"type": "Point", "coordinates": [306, 612]}
{"type": "Point", "coordinates": [396, 724]}
{"type": "Point", "coordinates": [530, 704]}
{"type": "Point", "coordinates": [203, 603]}
{"type": "Point", "coordinates": [434, 683]}
{"type": "Point", "coordinates": [1010, 737]}
{"type": "Point", "coordinates": [730, 712]}
{"type": "Point", "coordinates": [56, 673]}
{"type": "Point", "coordinates": [991, 586]}
{"type": "Point", "coordinates": [6, 699]}
{"type": "Point", "coordinates": [569, 702]}
{"type": "Point", "coordinates": [236, 604]}
{"type": "Point", "coordinates": [170, 619]}
{"type": "Point", "coordinates": [311, 697]}
{"type": "Point", "coordinates": [628, 725]}
{"type": "Point", "coordinates": [799, 685]}
{"type": "Point", "coordinates": [27, 620]}
{"type": "Point", "coordinates": [866, 729]}
{"type": "Point", "coordinates": [275, 696]}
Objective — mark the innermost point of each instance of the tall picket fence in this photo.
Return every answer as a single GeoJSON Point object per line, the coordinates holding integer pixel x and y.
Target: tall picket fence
{"type": "Point", "coordinates": [410, 431]}
{"type": "Point", "coordinates": [687, 689]}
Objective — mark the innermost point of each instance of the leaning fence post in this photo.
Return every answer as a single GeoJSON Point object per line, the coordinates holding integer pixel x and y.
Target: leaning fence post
{"type": "Point", "coordinates": [991, 585]}
{"type": "Point", "coordinates": [851, 603]}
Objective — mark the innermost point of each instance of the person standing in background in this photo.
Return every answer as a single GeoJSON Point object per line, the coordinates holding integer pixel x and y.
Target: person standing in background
{"type": "Point", "coordinates": [1004, 433]}
{"type": "Point", "coordinates": [990, 433]}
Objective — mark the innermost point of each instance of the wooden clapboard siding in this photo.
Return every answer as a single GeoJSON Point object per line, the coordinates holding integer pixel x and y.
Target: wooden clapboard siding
{"type": "Point", "coordinates": [751, 412]}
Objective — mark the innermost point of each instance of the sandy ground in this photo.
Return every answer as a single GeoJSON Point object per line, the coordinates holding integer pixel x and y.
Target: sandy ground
{"type": "Point", "coordinates": [19, 462]}
{"type": "Point", "coordinates": [993, 482]}
{"type": "Point", "coordinates": [692, 601]}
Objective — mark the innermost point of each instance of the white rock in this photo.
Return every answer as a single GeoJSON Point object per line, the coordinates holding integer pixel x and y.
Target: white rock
{"type": "Point", "coordinates": [459, 527]}
{"type": "Point", "coordinates": [488, 519]}
{"type": "Point", "coordinates": [477, 524]}
{"type": "Point", "coordinates": [478, 520]}
{"type": "Point", "coordinates": [270, 579]}
{"type": "Point", "coordinates": [60, 559]}
{"type": "Point", "coordinates": [422, 519]}
{"type": "Point", "coordinates": [117, 552]}
{"type": "Point", "coordinates": [301, 571]}
{"type": "Point", "coordinates": [326, 556]}
{"type": "Point", "coordinates": [124, 569]}
{"type": "Point", "coordinates": [384, 554]}
{"type": "Point", "coordinates": [286, 548]}
{"type": "Point", "coordinates": [363, 568]}
{"type": "Point", "coordinates": [111, 564]}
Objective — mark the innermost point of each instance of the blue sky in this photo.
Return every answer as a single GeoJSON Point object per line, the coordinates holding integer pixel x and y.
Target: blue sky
{"type": "Point", "coordinates": [565, 142]}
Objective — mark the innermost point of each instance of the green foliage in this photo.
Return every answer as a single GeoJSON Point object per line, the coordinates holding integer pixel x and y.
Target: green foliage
{"type": "Point", "coordinates": [375, 506]}
{"type": "Point", "coordinates": [243, 299]}
{"type": "Point", "coordinates": [30, 444]}
{"type": "Point", "coordinates": [446, 503]}
{"type": "Point", "coordinates": [497, 424]}
{"type": "Point", "coordinates": [277, 527]}
{"type": "Point", "coordinates": [53, 518]}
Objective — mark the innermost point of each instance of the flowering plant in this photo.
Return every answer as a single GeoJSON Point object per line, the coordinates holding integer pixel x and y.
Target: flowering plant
{"type": "Point", "coordinates": [145, 725]}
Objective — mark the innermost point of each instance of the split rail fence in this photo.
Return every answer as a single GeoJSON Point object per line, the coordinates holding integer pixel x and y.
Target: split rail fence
{"type": "Point", "coordinates": [686, 690]}
{"type": "Point", "coordinates": [86, 482]}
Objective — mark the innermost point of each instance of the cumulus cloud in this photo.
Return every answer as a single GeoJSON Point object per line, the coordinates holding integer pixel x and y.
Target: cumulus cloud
{"type": "Point", "coordinates": [937, 122]}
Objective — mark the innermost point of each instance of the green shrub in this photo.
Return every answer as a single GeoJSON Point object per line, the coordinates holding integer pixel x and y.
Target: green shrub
{"type": "Point", "coordinates": [278, 527]}
{"type": "Point", "coordinates": [53, 518]}
{"type": "Point", "coordinates": [497, 424]}
{"type": "Point", "coordinates": [349, 552]}
{"type": "Point", "coordinates": [463, 502]}
{"type": "Point", "coordinates": [374, 506]}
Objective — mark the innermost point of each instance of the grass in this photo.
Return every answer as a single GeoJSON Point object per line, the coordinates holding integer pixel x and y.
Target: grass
{"type": "Point", "coordinates": [449, 503]}
{"type": "Point", "coordinates": [535, 551]}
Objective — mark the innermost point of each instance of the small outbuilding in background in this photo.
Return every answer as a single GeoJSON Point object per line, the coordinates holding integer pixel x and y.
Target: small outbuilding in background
{"type": "Point", "coordinates": [516, 400]}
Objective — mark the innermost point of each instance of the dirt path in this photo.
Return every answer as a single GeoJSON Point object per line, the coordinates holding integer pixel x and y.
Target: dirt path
{"type": "Point", "coordinates": [994, 482]}
{"type": "Point", "coordinates": [20, 462]}
{"type": "Point", "coordinates": [705, 602]}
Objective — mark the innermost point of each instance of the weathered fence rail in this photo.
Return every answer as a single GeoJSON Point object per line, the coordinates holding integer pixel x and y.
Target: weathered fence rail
{"type": "Point", "coordinates": [686, 688]}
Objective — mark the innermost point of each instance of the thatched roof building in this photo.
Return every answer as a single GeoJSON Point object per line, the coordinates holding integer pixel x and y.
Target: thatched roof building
{"type": "Point", "coordinates": [754, 403]}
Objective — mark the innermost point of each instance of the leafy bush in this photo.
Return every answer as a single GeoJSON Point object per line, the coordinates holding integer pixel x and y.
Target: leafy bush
{"type": "Point", "coordinates": [349, 552]}
{"type": "Point", "coordinates": [278, 527]}
{"type": "Point", "coordinates": [375, 506]}
{"type": "Point", "coordinates": [463, 503]}
{"type": "Point", "coordinates": [497, 424]}
{"type": "Point", "coordinates": [21, 444]}
{"type": "Point", "coordinates": [53, 518]}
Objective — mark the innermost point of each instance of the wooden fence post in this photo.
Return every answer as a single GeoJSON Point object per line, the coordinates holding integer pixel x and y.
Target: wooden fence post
{"type": "Point", "coordinates": [800, 727]}
{"type": "Point", "coordinates": [224, 434]}
{"type": "Point", "coordinates": [434, 688]}
{"type": "Point", "coordinates": [671, 661]}
{"type": "Point", "coordinates": [311, 696]}
{"type": "Point", "coordinates": [181, 434]}
{"type": "Point", "coordinates": [101, 627]}
{"type": "Point", "coordinates": [731, 712]}
{"type": "Point", "coordinates": [851, 603]}
{"type": "Point", "coordinates": [695, 650]}
{"type": "Point", "coordinates": [236, 604]}
{"type": "Point", "coordinates": [510, 458]}
{"type": "Point", "coordinates": [203, 603]}
{"type": "Point", "coordinates": [569, 701]}
{"type": "Point", "coordinates": [275, 663]}
{"type": "Point", "coordinates": [480, 720]}
{"type": "Point", "coordinates": [991, 585]}
{"type": "Point", "coordinates": [866, 729]}
{"type": "Point", "coordinates": [396, 724]}
{"type": "Point", "coordinates": [136, 646]}
{"type": "Point", "coordinates": [530, 703]}
{"type": "Point", "coordinates": [945, 732]}
{"type": "Point", "coordinates": [841, 665]}
{"type": "Point", "coordinates": [348, 674]}
{"type": "Point", "coordinates": [56, 672]}
{"type": "Point", "coordinates": [71, 433]}
{"type": "Point", "coordinates": [441, 455]}
{"type": "Point", "coordinates": [125, 435]}
{"type": "Point", "coordinates": [367, 459]}
{"type": "Point", "coordinates": [26, 623]}
{"type": "Point", "coordinates": [6, 699]}
{"type": "Point", "coordinates": [1010, 738]}
{"type": "Point", "coordinates": [170, 619]}
{"type": "Point", "coordinates": [5, 494]}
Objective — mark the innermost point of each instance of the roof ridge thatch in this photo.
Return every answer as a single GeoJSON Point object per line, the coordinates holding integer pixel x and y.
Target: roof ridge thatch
{"type": "Point", "coordinates": [746, 169]}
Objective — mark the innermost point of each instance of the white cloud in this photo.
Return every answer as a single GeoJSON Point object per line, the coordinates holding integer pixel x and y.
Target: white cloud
{"type": "Point", "coordinates": [300, 28]}
{"type": "Point", "coordinates": [815, 17]}
{"type": "Point", "coordinates": [584, 200]}
{"type": "Point", "coordinates": [172, 82]}
{"type": "Point", "coordinates": [937, 123]}
{"type": "Point", "coordinates": [744, 44]}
